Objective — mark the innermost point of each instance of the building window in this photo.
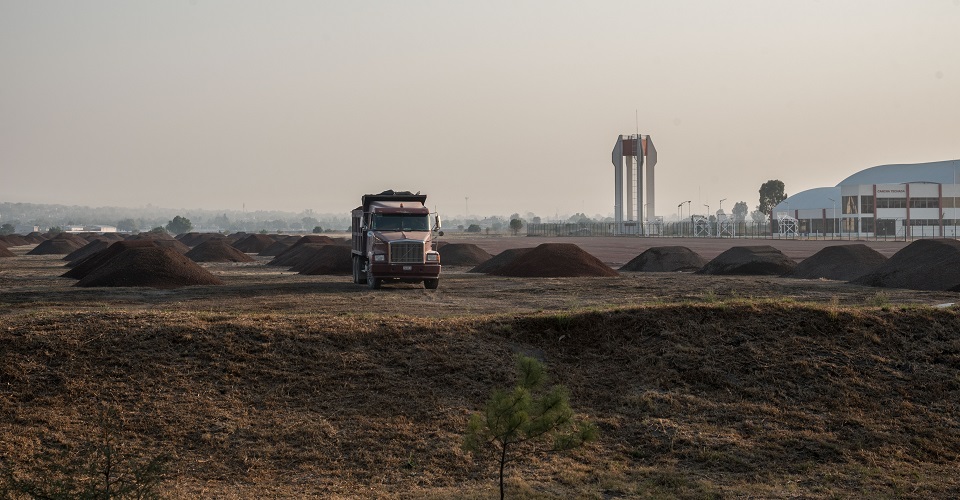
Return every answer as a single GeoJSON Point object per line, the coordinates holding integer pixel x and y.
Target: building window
{"type": "Point", "coordinates": [924, 202]}
{"type": "Point", "coordinates": [849, 224]}
{"type": "Point", "coordinates": [891, 203]}
{"type": "Point", "coordinates": [849, 204]}
{"type": "Point", "coordinates": [866, 224]}
{"type": "Point", "coordinates": [866, 204]}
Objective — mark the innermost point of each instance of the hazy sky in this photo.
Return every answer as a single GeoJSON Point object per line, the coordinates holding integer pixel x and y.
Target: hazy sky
{"type": "Point", "coordinates": [291, 105]}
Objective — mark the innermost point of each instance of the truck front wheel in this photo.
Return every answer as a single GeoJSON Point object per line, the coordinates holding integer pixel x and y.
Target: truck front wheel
{"type": "Point", "coordinates": [373, 283]}
{"type": "Point", "coordinates": [431, 284]}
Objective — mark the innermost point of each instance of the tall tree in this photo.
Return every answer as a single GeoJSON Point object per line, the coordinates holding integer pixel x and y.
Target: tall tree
{"type": "Point", "coordinates": [179, 225]}
{"type": "Point", "coordinates": [740, 211]}
{"type": "Point", "coordinates": [771, 193]}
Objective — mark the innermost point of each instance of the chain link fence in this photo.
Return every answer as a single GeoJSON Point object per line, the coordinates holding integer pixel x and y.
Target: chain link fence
{"type": "Point", "coordinates": [805, 229]}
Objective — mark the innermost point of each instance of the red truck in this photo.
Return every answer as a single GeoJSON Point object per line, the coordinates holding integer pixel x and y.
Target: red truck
{"type": "Point", "coordinates": [393, 240]}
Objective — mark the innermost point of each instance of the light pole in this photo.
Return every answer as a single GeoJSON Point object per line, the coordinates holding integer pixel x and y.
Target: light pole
{"type": "Point", "coordinates": [690, 214]}
{"type": "Point", "coordinates": [721, 204]}
{"type": "Point", "coordinates": [680, 217]}
{"type": "Point", "coordinates": [708, 218]}
{"type": "Point", "coordinates": [834, 215]}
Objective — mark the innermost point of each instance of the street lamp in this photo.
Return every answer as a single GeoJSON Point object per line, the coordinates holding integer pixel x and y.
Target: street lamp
{"type": "Point", "coordinates": [689, 214]}
{"type": "Point", "coordinates": [680, 217]}
{"type": "Point", "coordinates": [721, 204]}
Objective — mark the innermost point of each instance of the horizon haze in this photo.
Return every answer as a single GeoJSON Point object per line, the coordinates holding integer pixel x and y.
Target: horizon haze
{"type": "Point", "coordinates": [487, 107]}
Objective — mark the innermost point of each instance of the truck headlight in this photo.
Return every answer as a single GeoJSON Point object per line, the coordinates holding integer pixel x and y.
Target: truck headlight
{"type": "Point", "coordinates": [433, 257]}
{"type": "Point", "coordinates": [379, 258]}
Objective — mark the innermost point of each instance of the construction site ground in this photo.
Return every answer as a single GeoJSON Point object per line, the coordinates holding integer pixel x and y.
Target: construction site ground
{"type": "Point", "coordinates": [284, 385]}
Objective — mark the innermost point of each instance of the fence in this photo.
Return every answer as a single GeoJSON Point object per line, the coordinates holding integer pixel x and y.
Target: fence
{"type": "Point", "coordinates": [886, 230]}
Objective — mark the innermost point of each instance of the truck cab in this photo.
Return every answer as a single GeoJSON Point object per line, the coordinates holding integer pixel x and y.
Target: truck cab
{"type": "Point", "coordinates": [393, 240]}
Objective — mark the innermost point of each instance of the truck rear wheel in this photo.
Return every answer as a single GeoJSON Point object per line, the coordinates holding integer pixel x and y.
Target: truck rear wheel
{"type": "Point", "coordinates": [359, 275]}
{"type": "Point", "coordinates": [431, 284]}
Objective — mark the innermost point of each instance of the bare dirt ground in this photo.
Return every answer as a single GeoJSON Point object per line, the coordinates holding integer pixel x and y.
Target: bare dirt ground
{"type": "Point", "coordinates": [282, 385]}
{"type": "Point", "coordinates": [33, 281]}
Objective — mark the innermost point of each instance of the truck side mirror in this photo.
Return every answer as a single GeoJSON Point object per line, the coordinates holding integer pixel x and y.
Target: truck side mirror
{"type": "Point", "coordinates": [436, 226]}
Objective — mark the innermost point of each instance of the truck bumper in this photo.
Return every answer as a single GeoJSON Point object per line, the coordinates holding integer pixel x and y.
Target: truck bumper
{"type": "Point", "coordinates": [412, 272]}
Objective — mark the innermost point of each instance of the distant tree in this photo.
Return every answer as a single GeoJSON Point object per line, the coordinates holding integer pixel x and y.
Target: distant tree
{"type": "Point", "coordinates": [771, 193]}
{"type": "Point", "coordinates": [740, 211]}
{"type": "Point", "coordinates": [127, 225]}
{"type": "Point", "coordinates": [158, 230]}
{"type": "Point", "coordinates": [221, 221]}
{"type": "Point", "coordinates": [54, 230]}
{"type": "Point", "coordinates": [758, 217]}
{"type": "Point", "coordinates": [516, 225]}
{"type": "Point", "coordinates": [535, 220]}
{"type": "Point", "coordinates": [7, 229]}
{"type": "Point", "coordinates": [474, 228]}
{"type": "Point", "coordinates": [496, 225]}
{"type": "Point", "coordinates": [179, 225]}
{"type": "Point", "coordinates": [309, 222]}
{"type": "Point", "coordinates": [527, 419]}
{"type": "Point", "coordinates": [317, 229]}
{"type": "Point", "coordinates": [460, 227]}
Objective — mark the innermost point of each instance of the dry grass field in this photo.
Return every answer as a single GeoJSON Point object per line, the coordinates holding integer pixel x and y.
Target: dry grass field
{"type": "Point", "coordinates": [282, 385]}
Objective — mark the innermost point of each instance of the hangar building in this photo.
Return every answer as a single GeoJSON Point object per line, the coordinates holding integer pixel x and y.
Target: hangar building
{"type": "Point", "coordinates": [906, 200]}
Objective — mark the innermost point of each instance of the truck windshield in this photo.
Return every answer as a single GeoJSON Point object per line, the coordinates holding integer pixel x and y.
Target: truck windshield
{"type": "Point", "coordinates": [401, 222]}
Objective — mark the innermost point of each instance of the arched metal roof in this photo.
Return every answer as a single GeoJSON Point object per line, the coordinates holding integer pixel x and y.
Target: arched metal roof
{"type": "Point", "coordinates": [943, 172]}
{"type": "Point", "coordinates": [812, 198]}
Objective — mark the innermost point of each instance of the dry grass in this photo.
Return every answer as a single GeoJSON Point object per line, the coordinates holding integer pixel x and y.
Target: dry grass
{"type": "Point", "coordinates": [285, 386]}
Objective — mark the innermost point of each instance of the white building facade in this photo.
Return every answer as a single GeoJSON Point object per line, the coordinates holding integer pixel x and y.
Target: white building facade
{"type": "Point", "coordinates": [903, 200]}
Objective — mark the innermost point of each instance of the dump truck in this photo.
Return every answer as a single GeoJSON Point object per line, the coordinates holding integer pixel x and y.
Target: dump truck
{"type": "Point", "coordinates": [393, 240]}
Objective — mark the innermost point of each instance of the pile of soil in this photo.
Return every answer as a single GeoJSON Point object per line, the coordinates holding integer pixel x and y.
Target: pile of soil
{"type": "Point", "coordinates": [500, 260]}
{"type": "Point", "coordinates": [840, 262]}
{"type": "Point", "coordinates": [13, 240]}
{"type": "Point", "coordinates": [462, 254]}
{"type": "Point", "coordinates": [667, 259]}
{"type": "Point", "coordinates": [85, 251]}
{"type": "Point", "coordinates": [4, 252]}
{"type": "Point", "coordinates": [327, 259]}
{"type": "Point", "coordinates": [34, 238]}
{"type": "Point", "coordinates": [554, 260]}
{"type": "Point", "coordinates": [155, 267]}
{"type": "Point", "coordinates": [298, 254]}
{"type": "Point", "coordinates": [275, 249]}
{"type": "Point", "coordinates": [194, 239]}
{"type": "Point", "coordinates": [56, 246]}
{"type": "Point", "coordinates": [255, 243]}
{"type": "Point", "coordinates": [284, 257]}
{"type": "Point", "coordinates": [85, 266]}
{"type": "Point", "coordinates": [750, 260]}
{"type": "Point", "coordinates": [921, 265]}
{"type": "Point", "coordinates": [151, 236]}
{"type": "Point", "coordinates": [112, 236]}
{"type": "Point", "coordinates": [217, 250]}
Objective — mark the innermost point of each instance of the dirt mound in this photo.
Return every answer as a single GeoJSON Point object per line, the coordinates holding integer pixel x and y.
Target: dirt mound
{"type": "Point", "coordinates": [297, 254]}
{"type": "Point", "coordinates": [921, 265]}
{"type": "Point", "coordinates": [299, 243]}
{"type": "Point", "coordinates": [56, 246]}
{"type": "Point", "coordinates": [217, 250]}
{"type": "Point", "coordinates": [462, 254]}
{"type": "Point", "coordinates": [172, 244]}
{"type": "Point", "coordinates": [275, 249]}
{"type": "Point", "coordinates": [194, 239]}
{"type": "Point", "coordinates": [750, 260]}
{"type": "Point", "coordinates": [840, 262]}
{"type": "Point", "coordinates": [151, 235]}
{"type": "Point", "coordinates": [155, 267]}
{"type": "Point", "coordinates": [327, 259]}
{"type": "Point", "coordinates": [85, 251]}
{"type": "Point", "coordinates": [4, 252]}
{"type": "Point", "coordinates": [112, 236]}
{"type": "Point", "coordinates": [666, 260]}
{"type": "Point", "coordinates": [34, 238]}
{"type": "Point", "coordinates": [255, 243]}
{"type": "Point", "coordinates": [554, 260]}
{"type": "Point", "coordinates": [92, 262]}
{"type": "Point", "coordinates": [500, 260]}
{"type": "Point", "coordinates": [13, 240]}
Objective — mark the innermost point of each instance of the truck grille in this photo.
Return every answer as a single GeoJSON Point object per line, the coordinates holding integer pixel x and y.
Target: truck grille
{"type": "Point", "coordinates": [406, 252]}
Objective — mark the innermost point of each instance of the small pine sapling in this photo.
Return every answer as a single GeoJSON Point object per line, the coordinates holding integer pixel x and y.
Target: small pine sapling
{"type": "Point", "coordinates": [526, 419]}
